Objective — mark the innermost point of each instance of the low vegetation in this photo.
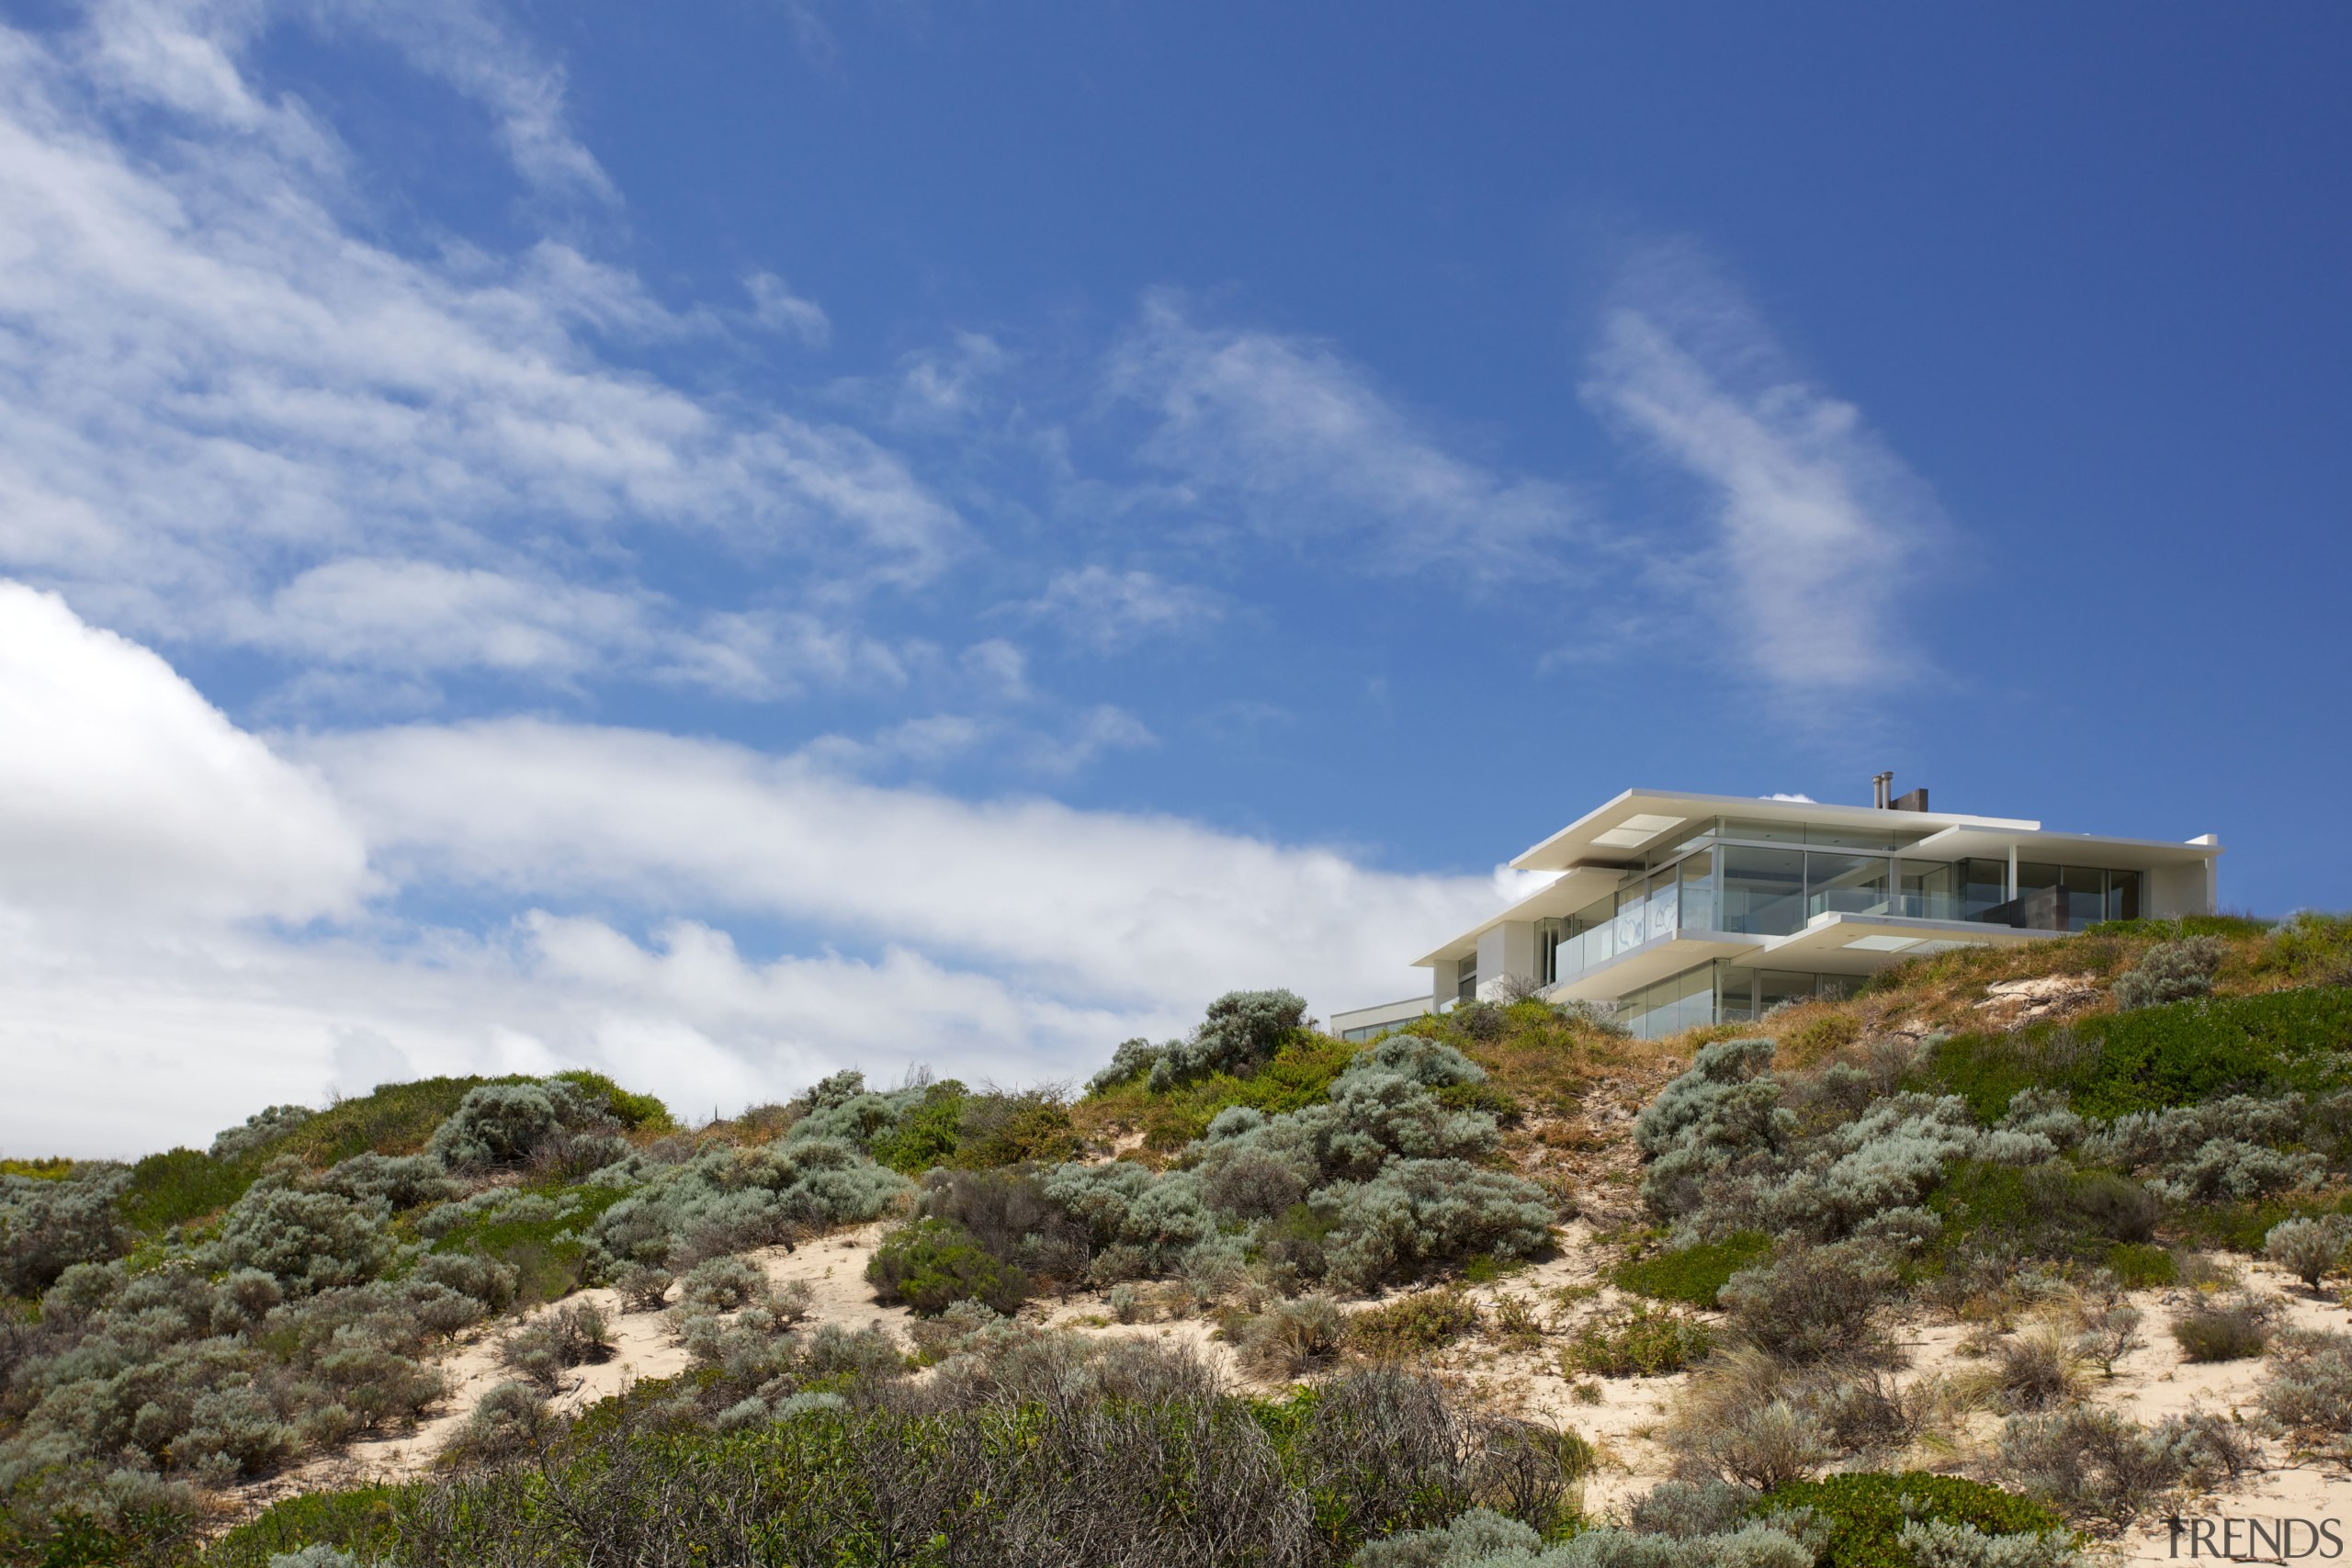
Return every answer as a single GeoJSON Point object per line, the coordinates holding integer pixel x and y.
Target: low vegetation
{"type": "Point", "coordinates": [1808, 1190]}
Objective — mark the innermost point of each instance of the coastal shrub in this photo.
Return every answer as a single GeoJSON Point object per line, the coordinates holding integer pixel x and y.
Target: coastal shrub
{"type": "Point", "coordinates": [262, 1127]}
{"type": "Point", "coordinates": [2094, 1463]}
{"type": "Point", "coordinates": [643, 1287]}
{"type": "Point", "coordinates": [2222, 1330]}
{"type": "Point", "coordinates": [2034, 1371]}
{"type": "Point", "coordinates": [486, 1280]}
{"type": "Point", "coordinates": [1419, 1212]}
{"type": "Point", "coordinates": [1010, 1213]}
{"type": "Point", "coordinates": [2309, 1250]}
{"type": "Point", "coordinates": [1291, 1339]}
{"type": "Point", "coordinates": [1692, 1274]}
{"type": "Point", "coordinates": [722, 1284]}
{"type": "Point", "coordinates": [1636, 1341]}
{"type": "Point", "coordinates": [513, 1418]}
{"type": "Point", "coordinates": [307, 1240]}
{"type": "Point", "coordinates": [1725, 1111]}
{"type": "Point", "coordinates": [1760, 1445]}
{"type": "Point", "coordinates": [556, 1340]}
{"type": "Point", "coordinates": [1868, 1514]}
{"type": "Point", "coordinates": [47, 1226]}
{"type": "Point", "coordinates": [930, 1264]}
{"type": "Point", "coordinates": [2171, 971]}
{"type": "Point", "coordinates": [396, 1181]}
{"type": "Point", "coordinates": [2309, 1391]}
{"type": "Point", "coordinates": [1414, 1326]}
{"type": "Point", "coordinates": [1811, 1303]}
{"type": "Point", "coordinates": [1242, 1030]}
{"type": "Point", "coordinates": [730, 1200]}
{"type": "Point", "coordinates": [502, 1124]}
{"type": "Point", "coordinates": [2178, 1054]}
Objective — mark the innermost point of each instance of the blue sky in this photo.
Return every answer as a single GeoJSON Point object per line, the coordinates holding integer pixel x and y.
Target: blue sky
{"type": "Point", "coordinates": [723, 541]}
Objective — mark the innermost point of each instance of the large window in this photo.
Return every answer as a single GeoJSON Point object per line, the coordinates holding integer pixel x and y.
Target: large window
{"type": "Point", "coordinates": [1845, 885]}
{"type": "Point", "coordinates": [1465, 979]}
{"type": "Point", "coordinates": [1929, 891]}
{"type": "Point", "coordinates": [1681, 1001]}
{"type": "Point", "coordinates": [1699, 892]}
{"type": "Point", "coordinates": [1763, 890]}
{"type": "Point", "coordinates": [2077, 895]}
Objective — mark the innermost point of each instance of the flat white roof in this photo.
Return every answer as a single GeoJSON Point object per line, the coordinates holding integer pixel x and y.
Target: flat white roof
{"type": "Point", "coordinates": [1592, 853]}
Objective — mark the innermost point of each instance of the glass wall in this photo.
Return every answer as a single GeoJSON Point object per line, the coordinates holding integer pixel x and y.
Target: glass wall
{"type": "Point", "coordinates": [1845, 885]}
{"type": "Point", "coordinates": [2090, 893]}
{"type": "Point", "coordinates": [1722, 992]}
{"type": "Point", "coordinates": [1763, 890]}
{"type": "Point", "coordinates": [1681, 1001]}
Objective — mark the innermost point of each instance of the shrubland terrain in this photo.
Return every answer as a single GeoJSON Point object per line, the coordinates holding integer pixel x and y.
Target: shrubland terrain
{"type": "Point", "coordinates": [1995, 1263]}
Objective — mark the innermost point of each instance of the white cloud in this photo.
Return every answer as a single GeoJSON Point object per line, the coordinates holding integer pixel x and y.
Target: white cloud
{"type": "Point", "coordinates": [1110, 611]}
{"type": "Point", "coordinates": [148, 847]}
{"type": "Point", "coordinates": [210, 386]}
{"type": "Point", "coordinates": [131, 799]}
{"type": "Point", "coordinates": [774, 305]}
{"type": "Point", "coordinates": [1820, 526]}
{"type": "Point", "coordinates": [1127, 908]}
{"type": "Point", "coordinates": [1303, 446]}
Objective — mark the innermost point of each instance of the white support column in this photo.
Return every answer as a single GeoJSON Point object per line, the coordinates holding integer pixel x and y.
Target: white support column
{"type": "Point", "coordinates": [2012, 890]}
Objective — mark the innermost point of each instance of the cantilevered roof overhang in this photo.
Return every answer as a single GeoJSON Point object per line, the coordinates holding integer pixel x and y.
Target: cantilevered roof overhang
{"type": "Point", "coordinates": [1636, 820]}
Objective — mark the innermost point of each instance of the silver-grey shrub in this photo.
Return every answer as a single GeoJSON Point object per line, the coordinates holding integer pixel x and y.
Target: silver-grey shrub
{"type": "Point", "coordinates": [2171, 971]}
{"type": "Point", "coordinates": [261, 1127]}
{"type": "Point", "coordinates": [307, 1240]}
{"type": "Point", "coordinates": [1724, 1111]}
{"type": "Point", "coordinates": [1812, 1303]}
{"type": "Point", "coordinates": [1418, 1212]}
{"type": "Point", "coordinates": [396, 1181]}
{"type": "Point", "coordinates": [1482, 1539]}
{"type": "Point", "coordinates": [503, 1124]}
{"type": "Point", "coordinates": [2309, 1391]}
{"type": "Point", "coordinates": [49, 1225]}
{"type": "Point", "coordinates": [2309, 1250]}
{"type": "Point", "coordinates": [730, 1200]}
{"type": "Point", "coordinates": [1242, 1030]}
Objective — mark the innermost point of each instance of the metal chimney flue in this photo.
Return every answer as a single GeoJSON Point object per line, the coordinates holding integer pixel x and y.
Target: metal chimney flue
{"type": "Point", "coordinates": [1882, 790]}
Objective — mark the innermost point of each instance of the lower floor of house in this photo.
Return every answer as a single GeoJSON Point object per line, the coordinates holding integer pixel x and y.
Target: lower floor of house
{"type": "Point", "coordinates": [1721, 991]}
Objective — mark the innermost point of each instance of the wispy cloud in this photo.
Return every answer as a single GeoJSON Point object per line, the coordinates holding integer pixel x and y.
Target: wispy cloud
{"type": "Point", "coordinates": [1110, 611]}
{"type": "Point", "coordinates": [1292, 439]}
{"type": "Point", "coordinates": [1818, 526]}
{"type": "Point", "coordinates": [219, 405]}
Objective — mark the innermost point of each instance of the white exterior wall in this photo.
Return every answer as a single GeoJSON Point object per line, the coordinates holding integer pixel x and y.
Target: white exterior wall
{"type": "Point", "coordinates": [1508, 949]}
{"type": "Point", "coordinates": [2181, 890]}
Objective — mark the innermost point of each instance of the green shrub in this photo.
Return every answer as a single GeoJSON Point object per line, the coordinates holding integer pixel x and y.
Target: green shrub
{"type": "Point", "coordinates": [1865, 1512]}
{"type": "Point", "coordinates": [1640, 1341]}
{"type": "Point", "coordinates": [1413, 1326]}
{"type": "Point", "coordinates": [637, 1112]}
{"type": "Point", "coordinates": [1692, 1274]}
{"type": "Point", "coordinates": [541, 1235]}
{"type": "Point", "coordinates": [2180, 1054]}
{"type": "Point", "coordinates": [2140, 1266]}
{"type": "Point", "coordinates": [361, 1521]}
{"type": "Point", "coordinates": [930, 1264]}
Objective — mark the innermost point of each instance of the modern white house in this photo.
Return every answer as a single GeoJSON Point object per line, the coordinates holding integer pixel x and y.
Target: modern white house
{"type": "Point", "coordinates": [1686, 910]}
